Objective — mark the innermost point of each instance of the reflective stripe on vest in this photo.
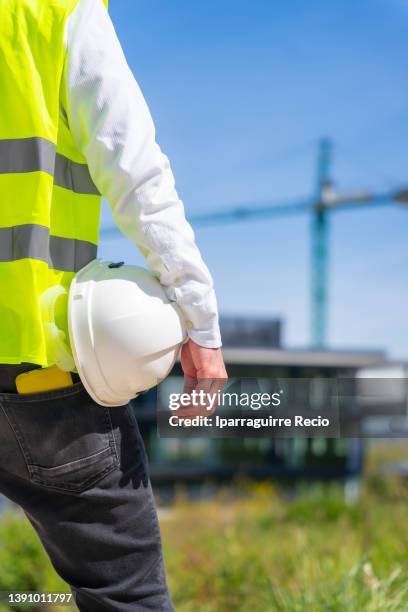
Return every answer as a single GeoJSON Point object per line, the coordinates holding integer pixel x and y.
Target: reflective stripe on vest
{"type": "Point", "coordinates": [26, 155]}
{"type": "Point", "coordinates": [35, 242]}
{"type": "Point", "coordinates": [49, 204]}
{"type": "Point", "coordinates": [39, 155]}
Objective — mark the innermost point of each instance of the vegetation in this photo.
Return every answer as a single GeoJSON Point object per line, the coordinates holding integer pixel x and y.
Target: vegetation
{"type": "Point", "coordinates": [24, 566]}
{"type": "Point", "coordinates": [263, 548]}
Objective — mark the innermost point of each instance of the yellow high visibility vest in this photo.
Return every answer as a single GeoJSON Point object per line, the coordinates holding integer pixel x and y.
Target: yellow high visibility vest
{"type": "Point", "coordinates": [49, 205]}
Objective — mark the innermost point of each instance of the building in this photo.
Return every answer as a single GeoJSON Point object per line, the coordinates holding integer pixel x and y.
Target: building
{"type": "Point", "coordinates": [194, 461]}
{"type": "Point", "coordinates": [261, 332]}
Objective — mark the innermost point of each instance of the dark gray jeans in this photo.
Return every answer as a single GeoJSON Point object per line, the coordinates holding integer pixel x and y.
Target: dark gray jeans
{"type": "Point", "coordinates": [79, 472]}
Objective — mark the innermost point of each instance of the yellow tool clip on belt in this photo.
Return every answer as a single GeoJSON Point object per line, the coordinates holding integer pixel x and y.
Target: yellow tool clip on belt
{"type": "Point", "coordinates": [43, 379]}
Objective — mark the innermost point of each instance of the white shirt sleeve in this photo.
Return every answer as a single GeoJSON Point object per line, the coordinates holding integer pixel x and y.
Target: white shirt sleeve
{"type": "Point", "coordinates": [113, 128]}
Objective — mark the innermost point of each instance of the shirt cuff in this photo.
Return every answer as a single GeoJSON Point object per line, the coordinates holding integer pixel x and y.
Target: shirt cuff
{"type": "Point", "coordinates": [207, 338]}
{"type": "Point", "coordinates": [200, 313]}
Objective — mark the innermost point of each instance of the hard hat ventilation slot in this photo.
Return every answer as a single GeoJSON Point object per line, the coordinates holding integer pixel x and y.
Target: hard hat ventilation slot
{"type": "Point", "coordinates": [118, 264]}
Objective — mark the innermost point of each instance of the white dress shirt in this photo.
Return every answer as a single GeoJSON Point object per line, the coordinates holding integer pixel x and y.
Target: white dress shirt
{"type": "Point", "coordinates": [113, 128]}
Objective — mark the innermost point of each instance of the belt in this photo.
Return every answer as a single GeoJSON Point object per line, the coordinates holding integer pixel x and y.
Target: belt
{"type": "Point", "coordinates": [8, 373]}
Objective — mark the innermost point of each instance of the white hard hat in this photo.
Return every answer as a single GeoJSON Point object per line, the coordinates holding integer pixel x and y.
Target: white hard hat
{"type": "Point", "coordinates": [125, 334]}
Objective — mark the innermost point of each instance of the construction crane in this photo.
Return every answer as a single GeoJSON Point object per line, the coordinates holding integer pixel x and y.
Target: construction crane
{"type": "Point", "coordinates": [324, 201]}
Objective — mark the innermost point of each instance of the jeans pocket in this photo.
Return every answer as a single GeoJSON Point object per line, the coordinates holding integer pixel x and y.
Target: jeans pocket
{"type": "Point", "coordinates": [67, 440]}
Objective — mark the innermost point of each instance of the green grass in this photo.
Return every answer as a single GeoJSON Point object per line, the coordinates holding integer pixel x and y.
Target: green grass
{"type": "Point", "coordinates": [254, 549]}
{"type": "Point", "coordinates": [312, 554]}
{"type": "Point", "coordinates": [24, 565]}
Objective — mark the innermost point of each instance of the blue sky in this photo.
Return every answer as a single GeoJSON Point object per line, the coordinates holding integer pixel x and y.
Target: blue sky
{"type": "Point", "coordinates": [241, 91]}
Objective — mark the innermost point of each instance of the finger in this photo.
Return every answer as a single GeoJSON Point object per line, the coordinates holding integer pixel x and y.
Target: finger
{"type": "Point", "coordinates": [204, 396]}
{"type": "Point", "coordinates": [198, 390]}
{"type": "Point", "coordinates": [215, 394]}
{"type": "Point", "coordinates": [190, 383]}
